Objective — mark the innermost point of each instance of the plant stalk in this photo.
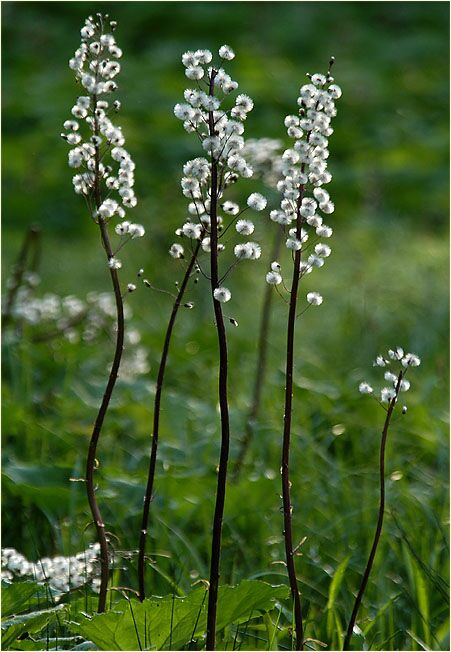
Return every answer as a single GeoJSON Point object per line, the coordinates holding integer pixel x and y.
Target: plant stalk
{"type": "Point", "coordinates": [380, 518]}
{"type": "Point", "coordinates": [223, 402]}
{"type": "Point", "coordinates": [91, 460]}
{"type": "Point", "coordinates": [156, 423]}
{"type": "Point", "coordinates": [286, 484]}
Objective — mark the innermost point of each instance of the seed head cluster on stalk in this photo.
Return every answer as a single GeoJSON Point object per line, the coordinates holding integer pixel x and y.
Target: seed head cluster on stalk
{"type": "Point", "coordinates": [220, 133]}
{"type": "Point", "coordinates": [304, 170]}
{"type": "Point", "coordinates": [106, 181]}
{"type": "Point", "coordinates": [399, 362]}
{"type": "Point", "coordinates": [106, 178]}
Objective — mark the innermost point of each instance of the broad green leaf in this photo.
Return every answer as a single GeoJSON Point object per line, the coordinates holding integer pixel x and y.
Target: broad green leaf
{"type": "Point", "coordinates": [18, 596]}
{"type": "Point", "coordinates": [27, 623]}
{"type": "Point", "coordinates": [171, 620]}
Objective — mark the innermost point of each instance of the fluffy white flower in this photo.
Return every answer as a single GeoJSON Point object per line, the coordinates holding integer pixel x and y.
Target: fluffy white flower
{"type": "Point", "coordinates": [273, 278]}
{"type": "Point", "coordinates": [293, 243]}
{"type": "Point", "coordinates": [314, 299]}
{"type": "Point", "coordinates": [176, 250]}
{"type": "Point", "coordinates": [226, 52]}
{"type": "Point", "coordinates": [387, 394]}
{"type": "Point", "coordinates": [411, 360]}
{"type": "Point", "coordinates": [322, 250]}
{"type": "Point", "coordinates": [114, 263]}
{"type": "Point", "coordinates": [230, 207]}
{"type": "Point", "coordinates": [245, 227]}
{"type": "Point", "coordinates": [396, 354]}
{"type": "Point", "coordinates": [364, 388]}
{"type": "Point", "coordinates": [222, 294]}
{"type": "Point", "coordinates": [256, 201]}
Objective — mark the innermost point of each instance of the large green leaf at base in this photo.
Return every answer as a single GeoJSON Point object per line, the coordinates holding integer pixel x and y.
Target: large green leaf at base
{"type": "Point", "coordinates": [134, 625]}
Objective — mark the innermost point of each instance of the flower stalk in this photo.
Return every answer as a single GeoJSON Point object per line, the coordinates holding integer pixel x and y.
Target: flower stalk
{"type": "Point", "coordinates": [223, 400]}
{"type": "Point", "coordinates": [156, 422]}
{"type": "Point", "coordinates": [95, 65]}
{"type": "Point", "coordinates": [390, 395]}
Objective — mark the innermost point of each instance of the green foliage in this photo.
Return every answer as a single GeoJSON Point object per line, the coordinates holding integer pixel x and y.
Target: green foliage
{"type": "Point", "coordinates": [16, 627]}
{"type": "Point", "coordinates": [385, 284]}
{"type": "Point", "coordinates": [174, 622]}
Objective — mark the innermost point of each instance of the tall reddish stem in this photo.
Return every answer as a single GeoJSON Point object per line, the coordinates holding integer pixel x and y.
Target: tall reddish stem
{"type": "Point", "coordinates": [223, 402]}
{"type": "Point", "coordinates": [156, 423]}
{"type": "Point", "coordinates": [380, 518]}
{"type": "Point", "coordinates": [91, 459]}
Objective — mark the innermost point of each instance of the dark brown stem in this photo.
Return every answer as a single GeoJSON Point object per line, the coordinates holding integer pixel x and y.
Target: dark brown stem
{"type": "Point", "coordinates": [223, 403]}
{"type": "Point", "coordinates": [260, 372]}
{"type": "Point", "coordinates": [91, 460]}
{"type": "Point", "coordinates": [156, 423]}
{"type": "Point", "coordinates": [380, 518]}
{"type": "Point", "coordinates": [31, 239]}
{"type": "Point", "coordinates": [286, 484]}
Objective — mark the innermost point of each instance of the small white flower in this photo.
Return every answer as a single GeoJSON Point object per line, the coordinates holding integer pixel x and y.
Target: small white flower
{"type": "Point", "coordinates": [318, 79]}
{"type": "Point", "coordinates": [191, 230]}
{"type": "Point", "coordinates": [176, 250]}
{"type": "Point", "coordinates": [245, 227]}
{"type": "Point", "coordinates": [131, 287]}
{"type": "Point", "coordinates": [275, 266]}
{"type": "Point", "coordinates": [335, 91]}
{"type": "Point", "coordinates": [364, 388]}
{"type": "Point", "coordinates": [387, 394]}
{"type": "Point", "coordinates": [256, 201]}
{"type": "Point", "coordinates": [392, 378]}
{"type": "Point", "coordinates": [324, 231]}
{"type": "Point", "coordinates": [404, 385]}
{"type": "Point", "coordinates": [411, 360]}
{"type": "Point", "coordinates": [273, 278]}
{"type": "Point", "coordinates": [314, 298]}
{"type": "Point", "coordinates": [380, 361]}
{"type": "Point", "coordinates": [194, 72]}
{"type": "Point", "coordinates": [396, 354]}
{"type": "Point", "coordinates": [136, 230]}
{"type": "Point", "coordinates": [114, 263]}
{"type": "Point", "coordinates": [322, 250]}
{"type": "Point", "coordinates": [226, 52]}
{"type": "Point", "coordinates": [222, 294]}
{"type": "Point", "coordinates": [122, 228]}
{"type": "Point", "coordinates": [244, 103]}
{"type": "Point", "coordinates": [327, 207]}
{"type": "Point", "coordinates": [293, 243]}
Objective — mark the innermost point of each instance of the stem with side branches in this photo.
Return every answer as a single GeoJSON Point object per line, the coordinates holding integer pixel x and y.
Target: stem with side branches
{"type": "Point", "coordinates": [156, 423]}
{"type": "Point", "coordinates": [223, 402]}
{"type": "Point", "coordinates": [286, 484]}
{"type": "Point", "coordinates": [91, 459]}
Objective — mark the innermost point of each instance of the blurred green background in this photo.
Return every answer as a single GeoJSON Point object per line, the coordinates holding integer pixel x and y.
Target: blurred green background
{"type": "Point", "coordinates": [386, 284]}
